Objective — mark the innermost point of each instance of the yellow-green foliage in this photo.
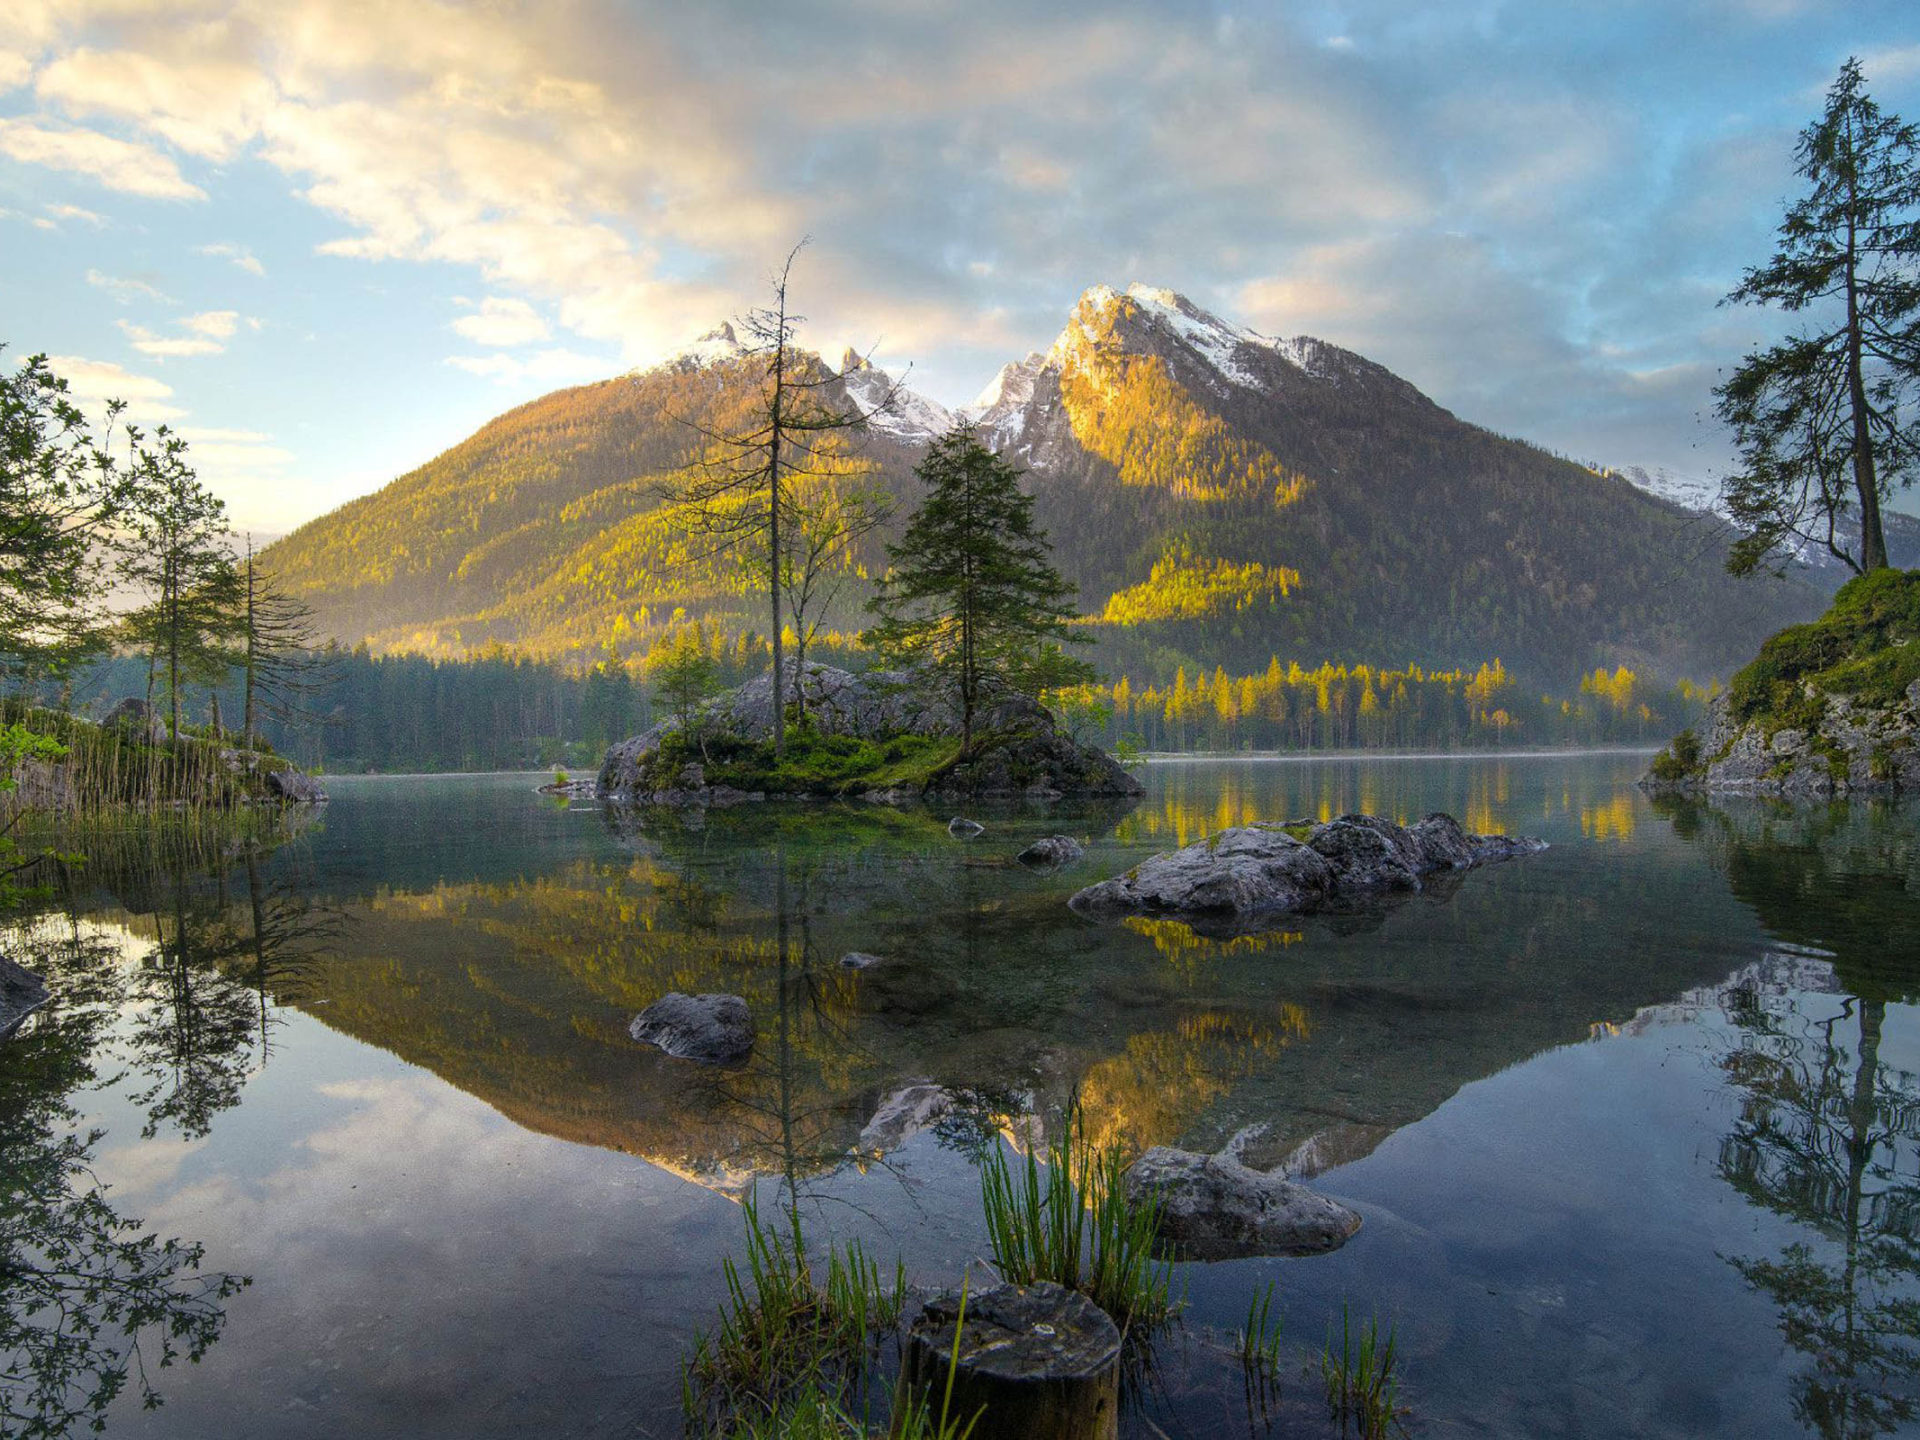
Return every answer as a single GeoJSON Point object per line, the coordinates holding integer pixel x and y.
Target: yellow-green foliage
{"type": "Point", "coordinates": [1184, 586]}
{"type": "Point", "coordinates": [1128, 410]}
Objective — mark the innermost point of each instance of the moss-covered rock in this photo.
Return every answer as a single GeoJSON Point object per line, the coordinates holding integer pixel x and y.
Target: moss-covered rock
{"type": "Point", "coordinates": [1828, 708]}
{"type": "Point", "coordinates": [877, 736]}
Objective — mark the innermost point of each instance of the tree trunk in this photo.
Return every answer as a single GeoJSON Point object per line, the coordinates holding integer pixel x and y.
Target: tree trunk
{"type": "Point", "coordinates": [1873, 542]}
{"type": "Point", "coordinates": [1035, 1362]}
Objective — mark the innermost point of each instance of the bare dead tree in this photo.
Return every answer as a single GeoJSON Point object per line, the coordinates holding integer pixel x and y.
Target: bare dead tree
{"type": "Point", "coordinates": [281, 663]}
{"type": "Point", "coordinates": [740, 495]}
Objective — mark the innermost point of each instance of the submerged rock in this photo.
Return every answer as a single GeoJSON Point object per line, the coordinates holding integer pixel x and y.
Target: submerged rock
{"type": "Point", "coordinates": [961, 828]}
{"type": "Point", "coordinates": [713, 1029]}
{"type": "Point", "coordinates": [860, 960]}
{"type": "Point", "coordinates": [1051, 852]}
{"type": "Point", "coordinates": [1267, 869]}
{"type": "Point", "coordinates": [21, 993]}
{"type": "Point", "coordinates": [1214, 1208]}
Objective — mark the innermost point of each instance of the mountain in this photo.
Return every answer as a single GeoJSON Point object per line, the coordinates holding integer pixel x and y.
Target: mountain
{"type": "Point", "coordinates": [1820, 566]}
{"type": "Point", "coordinates": [1219, 496]}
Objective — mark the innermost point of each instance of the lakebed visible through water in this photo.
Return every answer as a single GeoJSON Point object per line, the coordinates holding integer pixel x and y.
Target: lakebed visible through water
{"type": "Point", "coordinates": [1634, 1124]}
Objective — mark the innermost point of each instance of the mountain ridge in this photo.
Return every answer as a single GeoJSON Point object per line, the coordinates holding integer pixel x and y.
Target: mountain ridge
{"type": "Point", "coordinates": [1220, 496]}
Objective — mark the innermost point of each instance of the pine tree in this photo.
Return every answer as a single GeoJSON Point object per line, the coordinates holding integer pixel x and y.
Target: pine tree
{"type": "Point", "coordinates": [174, 547]}
{"type": "Point", "coordinates": [1817, 416]}
{"type": "Point", "coordinates": [971, 592]}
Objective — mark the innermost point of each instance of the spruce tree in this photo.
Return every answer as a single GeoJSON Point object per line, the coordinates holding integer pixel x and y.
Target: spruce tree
{"type": "Point", "coordinates": [1817, 417]}
{"type": "Point", "coordinates": [971, 593]}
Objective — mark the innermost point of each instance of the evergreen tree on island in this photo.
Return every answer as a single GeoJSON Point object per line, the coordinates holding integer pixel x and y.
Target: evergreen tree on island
{"type": "Point", "coordinates": [1817, 417]}
{"type": "Point", "coordinates": [970, 592]}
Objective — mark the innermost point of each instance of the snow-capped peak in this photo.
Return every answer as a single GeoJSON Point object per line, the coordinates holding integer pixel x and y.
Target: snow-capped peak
{"type": "Point", "coordinates": [1220, 344]}
{"type": "Point", "coordinates": [716, 347]}
{"type": "Point", "coordinates": [891, 408]}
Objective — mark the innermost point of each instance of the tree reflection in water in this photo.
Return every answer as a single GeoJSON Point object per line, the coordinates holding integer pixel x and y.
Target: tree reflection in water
{"type": "Point", "coordinates": [88, 1303]}
{"type": "Point", "coordinates": [1829, 1133]}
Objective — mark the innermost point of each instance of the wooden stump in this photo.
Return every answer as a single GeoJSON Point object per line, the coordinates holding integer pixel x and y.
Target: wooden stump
{"type": "Point", "coordinates": [1040, 1362]}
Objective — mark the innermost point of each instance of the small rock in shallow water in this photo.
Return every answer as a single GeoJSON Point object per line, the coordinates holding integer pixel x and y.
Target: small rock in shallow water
{"type": "Point", "coordinates": [962, 828]}
{"type": "Point", "coordinates": [713, 1029]}
{"type": "Point", "coordinates": [859, 960]}
{"type": "Point", "coordinates": [1052, 851]}
{"type": "Point", "coordinates": [1214, 1208]}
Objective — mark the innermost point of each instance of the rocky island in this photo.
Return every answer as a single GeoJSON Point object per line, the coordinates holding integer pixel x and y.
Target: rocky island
{"type": "Point", "coordinates": [1827, 709]}
{"type": "Point", "coordinates": [886, 736]}
{"type": "Point", "coordinates": [1251, 873]}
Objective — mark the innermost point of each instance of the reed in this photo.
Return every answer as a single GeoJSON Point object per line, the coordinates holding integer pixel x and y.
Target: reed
{"type": "Point", "coordinates": [787, 1343]}
{"type": "Point", "coordinates": [1070, 1222]}
{"type": "Point", "coordinates": [1260, 1339]}
{"type": "Point", "coordinates": [1361, 1387]}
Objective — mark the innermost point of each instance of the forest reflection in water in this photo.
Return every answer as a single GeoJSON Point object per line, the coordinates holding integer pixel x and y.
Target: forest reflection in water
{"type": "Point", "coordinates": [178, 1000]}
{"type": "Point", "coordinates": [498, 945]}
{"type": "Point", "coordinates": [1828, 1134]}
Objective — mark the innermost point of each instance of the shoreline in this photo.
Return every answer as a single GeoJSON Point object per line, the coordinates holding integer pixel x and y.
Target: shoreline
{"type": "Point", "coordinates": [1301, 757]}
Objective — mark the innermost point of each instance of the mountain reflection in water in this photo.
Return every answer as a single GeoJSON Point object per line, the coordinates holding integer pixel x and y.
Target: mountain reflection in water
{"type": "Point", "coordinates": [390, 1063]}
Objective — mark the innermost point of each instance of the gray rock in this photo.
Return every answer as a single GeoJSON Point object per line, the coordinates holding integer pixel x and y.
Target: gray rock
{"type": "Point", "coordinates": [21, 993]}
{"type": "Point", "coordinates": [1854, 748]}
{"type": "Point", "coordinates": [1051, 852]}
{"type": "Point", "coordinates": [1368, 853]}
{"type": "Point", "coordinates": [713, 1029]}
{"type": "Point", "coordinates": [1262, 869]}
{"type": "Point", "coordinates": [1214, 1208]}
{"type": "Point", "coordinates": [901, 1116]}
{"type": "Point", "coordinates": [137, 717]}
{"type": "Point", "coordinates": [961, 828]}
{"type": "Point", "coordinates": [860, 960]}
{"type": "Point", "coordinates": [295, 788]}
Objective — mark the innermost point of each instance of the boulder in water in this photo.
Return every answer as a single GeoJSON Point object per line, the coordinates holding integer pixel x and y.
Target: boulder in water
{"type": "Point", "coordinates": [713, 1029]}
{"type": "Point", "coordinates": [1051, 852]}
{"type": "Point", "coordinates": [1211, 1207]}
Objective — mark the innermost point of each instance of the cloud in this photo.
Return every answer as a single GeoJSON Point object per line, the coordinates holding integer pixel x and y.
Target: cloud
{"type": "Point", "coordinates": [206, 334]}
{"type": "Point", "coordinates": [502, 321]}
{"type": "Point", "coordinates": [547, 367]}
{"type": "Point", "coordinates": [126, 290]}
{"type": "Point", "coordinates": [75, 212]}
{"type": "Point", "coordinates": [240, 255]}
{"type": "Point", "coordinates": [92, 382]}
{"type": "Point", "coordinates": [117, 164]}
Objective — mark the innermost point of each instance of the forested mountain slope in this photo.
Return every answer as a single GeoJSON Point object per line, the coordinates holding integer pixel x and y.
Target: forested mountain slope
{"type": "Point", "coordinates": [1219, 496]}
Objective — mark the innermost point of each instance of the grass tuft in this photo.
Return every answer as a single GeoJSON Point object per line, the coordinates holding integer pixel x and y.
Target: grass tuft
{"type": "Point", "coordinates": [1070, 1221]}
{"type": "Point", "coordinates": [786, 1344]}
{"type": "Point", "coordinates": [1361, 1388]}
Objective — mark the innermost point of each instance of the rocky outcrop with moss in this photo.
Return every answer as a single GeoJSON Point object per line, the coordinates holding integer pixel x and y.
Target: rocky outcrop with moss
{"type": "Point", "coordinates": [882, 735]}
{"type": "Point", "coordinates": [1827, 709]}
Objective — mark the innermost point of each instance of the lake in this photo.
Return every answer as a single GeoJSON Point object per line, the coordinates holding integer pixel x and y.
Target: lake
{"type": "Point", "coordinates": [1634, 1124]}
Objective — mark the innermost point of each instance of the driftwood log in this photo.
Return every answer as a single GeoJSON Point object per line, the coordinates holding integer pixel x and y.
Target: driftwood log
{"type": "Point", "coordinates": [1036, 1362]}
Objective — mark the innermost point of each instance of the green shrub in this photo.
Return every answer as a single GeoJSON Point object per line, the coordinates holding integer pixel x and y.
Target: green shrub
{"type": "Point", "coordinates": [1680, 759]}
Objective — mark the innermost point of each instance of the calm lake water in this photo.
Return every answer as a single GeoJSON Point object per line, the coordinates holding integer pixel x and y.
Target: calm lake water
{"type": "Point", "coordinates": [1634, 1124]}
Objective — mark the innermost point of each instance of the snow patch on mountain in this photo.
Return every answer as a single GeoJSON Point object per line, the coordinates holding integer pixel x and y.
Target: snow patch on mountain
{"type": "Point", "coordinates": [1688, 491]}
{"type": "Point", "coordinates": [1000, 410]}
{"type": "Point", "coordinates": [718, 346]}
{"type": "Point", "coordinates": [890, 407]}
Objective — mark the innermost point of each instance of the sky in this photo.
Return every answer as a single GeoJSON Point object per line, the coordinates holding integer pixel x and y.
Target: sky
{"type": "Point", "coordinates": [327, 239]}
